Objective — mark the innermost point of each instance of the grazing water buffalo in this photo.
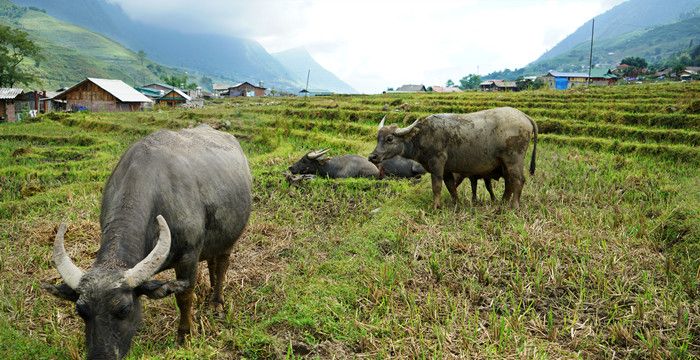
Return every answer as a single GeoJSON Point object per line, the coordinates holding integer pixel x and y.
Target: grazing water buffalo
{"type": "Point", "coordinates": [475, 144]}
{"type": "Point", "coordinates": [346, 166]}
{"type": "Point", "coordinates": [400, 167]}
{"type": "Point", "coordinates": [174, 199]}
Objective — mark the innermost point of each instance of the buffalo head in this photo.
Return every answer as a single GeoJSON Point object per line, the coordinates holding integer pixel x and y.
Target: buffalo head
{"type": "Point", "coordinates": [391, 141]}
{"type": "Point", "coordinates": [310, 163]}
{"type": "Point", "coordinates": [107, 299]}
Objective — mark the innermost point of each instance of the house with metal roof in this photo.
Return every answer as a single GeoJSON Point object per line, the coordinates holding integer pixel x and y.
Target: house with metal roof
{"type": "Point", "coordinates": [243, 89]}
{"type": "Point", "coordinates": [8, 99]}
{"type": "Point", "coordinates": [103, 95]}
{"type": "Point", "coordinates": [174, 97]}
{"type": "Point", "coordinates": [567, 80]}
{"type": "Point", "coordinates": [498, 85]}
{"type": "Point", "coordinates": [446, 89]}
{"type": "Point", "coordinates": [411, 88]}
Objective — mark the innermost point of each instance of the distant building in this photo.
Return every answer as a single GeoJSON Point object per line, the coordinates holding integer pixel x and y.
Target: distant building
{"type": "Point", "coordinates": [103, 95]}
{"type": "Point", "coordinates": [305, 92]}
{"type": "Point", "coordinates": [8, 98]}
{"type": "Point", "coordinates": [411, 88]}
{"type": "Point", "coordinates": [446, 89]}
{"type": "Point", "coordinates": [151, 93]}
{"type": "Point", "coordinates": [564, 80]}
{"type": "Point", "coordinates": [243, 89]}
{"type": "Point", "coordinates": [174, 97]}
{"type": "Point", "coordinates": [690, 72]}
{"type": "Point", "coordinates": [498, 85]}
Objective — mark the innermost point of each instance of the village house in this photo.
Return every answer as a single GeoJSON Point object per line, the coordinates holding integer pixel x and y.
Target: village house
{"type": "Point", "coordinates": [498, 85]}
{"type": "Point", "coordinates": [8, 99]}
{"type": "Point", "coordinates": [305, 92]}
{"type": "Point", "coordinates": [243, 89]}
{"type": "Point", "coordinates": [566, 80]}
{"type": "Point", "coordinates": [446, 89]}
{"type": "Point", "coordinates": [174, 97]}
{"type": "Point", "coordinates": [411, 89]}
{"type": "Point", "coordinates": [103, 95]}
{"type": "Point", "coordinates": [689, 73]}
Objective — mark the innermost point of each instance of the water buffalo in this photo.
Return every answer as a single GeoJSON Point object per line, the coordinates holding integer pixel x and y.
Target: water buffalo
{"type": "Point", "coordinates": [475, 144]}
{"type": "Point", "coordinates": [173, 200]}
{"type": "Point", "coordinates": [346, 166]}
{"type": "Point", "coordinates": [400, 167]}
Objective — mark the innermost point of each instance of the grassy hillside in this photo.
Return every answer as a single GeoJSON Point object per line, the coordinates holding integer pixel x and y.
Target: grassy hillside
{"type": "Point", "coordinates": [629, 16]}
{"type": "Point", "coordinates": [73, 53]}
{"type": "Point", "coordinates": [599, 262]}
{"type": "Point", "coordinates": [654, 45]}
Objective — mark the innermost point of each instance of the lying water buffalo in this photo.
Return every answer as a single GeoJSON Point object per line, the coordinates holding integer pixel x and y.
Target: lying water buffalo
{"type": "Point", "coordinates": [346, 166]}
{"type": "Point", "coordinates": [400, 167]}
{"type": "Point", "coordinates": [475, 144]}
{"type": "Point", "coordinates": [174, 199]}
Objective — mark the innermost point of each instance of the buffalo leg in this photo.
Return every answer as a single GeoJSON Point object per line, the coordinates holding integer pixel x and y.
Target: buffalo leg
{"type": "Point", "coordinates": [487, 182]}
{"type": "Point", "coordinates": [221, 266]}
{"type": "Point", "coordinates": [187, 271]}
{"type": "Point", "coordinates": [437, 190]}
{"type": "Point", "coordinates": [514, 182]}
{"type": "Point", "coordinates": [474, 181]}
{"type": "Point", "coordinates": [451, 185]}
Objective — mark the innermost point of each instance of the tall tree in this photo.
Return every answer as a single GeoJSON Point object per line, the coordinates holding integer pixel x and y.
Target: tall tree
{"type": "Point", "coordinates": [450, 83]}
{"type": "Point", "coordinates": [470, 81]}
{"type": "Point", "coordinates": [15, 46]}
{"type": "Point", "coordinates": [141, 55]}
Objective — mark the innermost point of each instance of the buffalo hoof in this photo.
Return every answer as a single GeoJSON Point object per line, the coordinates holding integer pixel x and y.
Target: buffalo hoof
{"type": "Point", "coordinates": [182, 336]}
{"type": "Point", "coordinates": [218, 309]}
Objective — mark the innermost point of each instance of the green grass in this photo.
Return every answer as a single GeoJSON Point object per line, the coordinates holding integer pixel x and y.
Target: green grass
{"type": "Point", "coordinates": [600, 261]}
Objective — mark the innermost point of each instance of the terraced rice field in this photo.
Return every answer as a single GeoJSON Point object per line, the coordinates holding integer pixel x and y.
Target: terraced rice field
{"type": "Point", "coordinates": [601, 261]}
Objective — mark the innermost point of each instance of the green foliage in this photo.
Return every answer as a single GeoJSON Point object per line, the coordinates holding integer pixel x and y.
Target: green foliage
{"type": "Point", "coordinates": [634, 61]}
{"type": "Point", "coordinates": [450, 83]}
{"type": "Point", "coordinates": [15, 47]}
{"type": "Point", "coordinates": [470, 82]}
{"type": "Point", "coordinates": [179, 81]}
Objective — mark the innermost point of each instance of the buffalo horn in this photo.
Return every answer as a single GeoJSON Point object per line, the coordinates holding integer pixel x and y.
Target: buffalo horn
{"type": "Point", "coordinates": [381, 124]}
{"type": "Point", "coordinates": [150, 265]}
{"type": "Point", "coordinates": [70, 273]}
{"type": "Point", "coordinates": [316, 154]}
{"type": "Point", "coordinates": [406, 130]}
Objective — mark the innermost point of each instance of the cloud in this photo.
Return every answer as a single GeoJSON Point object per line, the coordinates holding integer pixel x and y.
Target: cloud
{"type": "Point", "coordinates": [375, 44]}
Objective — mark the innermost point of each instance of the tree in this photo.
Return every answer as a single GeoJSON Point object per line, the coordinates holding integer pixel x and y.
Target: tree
{"type": "Point", "coordinates": [206, 83]}
{"type": "Point", "coordinates": [470, 81]}
{"type": "Point", "coordinates": [635, 61]}
{"type": "Point", "coordinates": [15, 47]}
{"type": "Point", "coordinates": [141, 55]}
{"type": "Point", "coordinates": [450, 83]}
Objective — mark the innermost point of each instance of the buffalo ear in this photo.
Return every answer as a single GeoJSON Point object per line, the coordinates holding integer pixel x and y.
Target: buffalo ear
{"type": "Point", "coordinates": [157, 289]}
{"type": "Point", "coordinates": [62, 291]}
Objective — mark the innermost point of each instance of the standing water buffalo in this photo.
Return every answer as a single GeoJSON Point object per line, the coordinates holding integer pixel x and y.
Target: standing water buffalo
{"type": "Point", "coordinates": [346, 166]}
{"type": "Point", "coordinates": [400, 167]}
{"type": "Point", "coordinates": [475, 144]}
{"type": "Point", "coordinates": [174, 199]}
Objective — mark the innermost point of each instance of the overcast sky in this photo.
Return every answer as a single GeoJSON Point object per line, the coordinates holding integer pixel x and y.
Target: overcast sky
{"type": "Point", "coordinates": [375, 44]}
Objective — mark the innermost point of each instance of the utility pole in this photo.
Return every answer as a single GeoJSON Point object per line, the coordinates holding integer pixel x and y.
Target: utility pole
{"type": "Point", "coordinates": [307, 82]}
{"type": "Point", "coordinates": [590, 57]}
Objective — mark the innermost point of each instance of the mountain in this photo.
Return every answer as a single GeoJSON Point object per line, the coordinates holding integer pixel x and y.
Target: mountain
{"type": "Point", "coordinates": [655, 30]}
{"type": "Point", "coordinates": [629, 16]}
{"type": "Point", "coordinates": [298, 62]}
{"type": "Point", "coordinates": [225, 58]}
{"type": "Point", "coordinates": [72, 53]}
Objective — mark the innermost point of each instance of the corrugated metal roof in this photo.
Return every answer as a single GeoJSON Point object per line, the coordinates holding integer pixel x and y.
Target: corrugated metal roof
{"type": "Point", "coordinates": [411, 88]}
{"type": "Point", "coordinates": [181, 93]}
{"type": "Point", "coordinates": [117, 88]}
{"type": "Point", "coordinates": [120, 90]}
{"type": "Point", "coordinates": [9, 93]}
{"type": "Point", "coordinates": [595, 73]}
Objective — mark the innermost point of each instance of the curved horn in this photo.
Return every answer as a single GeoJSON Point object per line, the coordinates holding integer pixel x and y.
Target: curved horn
{"type": "Point", "coordinates": [70, 273]}
{"type": "Point", "coordinates": [316, 154]}
{"type": "Point", "coordinates": [150, 265]}
{"type": "Point", "coordinates": [406, 130]}
{"type": "Point", "coordinates": [381, 124]}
